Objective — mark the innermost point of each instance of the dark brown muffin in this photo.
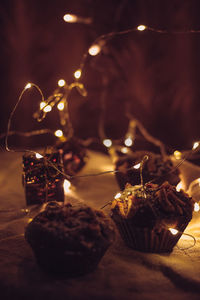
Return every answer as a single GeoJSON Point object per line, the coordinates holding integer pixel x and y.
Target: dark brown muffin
{"type": "Point", "coordinates": [156, 168]}
{"type": "Point", "coordinates": [144, 216]}
{"type": "Point", "coordinates": [69, 240]}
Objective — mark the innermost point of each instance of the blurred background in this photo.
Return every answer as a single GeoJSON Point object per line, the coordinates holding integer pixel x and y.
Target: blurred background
{"type": "Point", "coordinates": [154, 76]}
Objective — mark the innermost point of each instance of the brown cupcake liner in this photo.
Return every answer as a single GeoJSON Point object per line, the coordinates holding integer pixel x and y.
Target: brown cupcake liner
{"type": "Point", "coordinates": [148, 240]}
{"type": "Point", "coordinates": [69, 264]}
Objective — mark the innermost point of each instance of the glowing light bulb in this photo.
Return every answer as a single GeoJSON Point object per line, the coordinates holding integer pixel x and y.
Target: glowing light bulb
{"type": "Point", "coordinates": [179, 186]}
{"type": "Point", "coordinates": [69, 18]}
{"type": "Point", "coordinates": [128, 142]}
{"type": "Point", "coordinates": [66, 186]}
{"type": "Point", "coordinates": [47, 108]}
{"type": "Point", "coordinates": [118, 195]}
{"type": "Point", "coordinates": [77, 74]}
{"type": "Point", "coordinates": [195, 145]}
{"type": "Point", "coordinates": [196, 207]}
{"type": "Point", "coordinates": [61, 106]}
{"type": "Point", "coordinates": [61, 82]}
{"type": "Point", "coordinates": [94, 50]}
{"type": "Point", "coordinates": [137, 166]}
{"type": "Point", "coordinates": [38, 155]}
{"type": "Point", "coordinates": [173, 231]}
{"type": "Point", "coordinates": [58, 133]}
{"type": "Point", "coordinates": [42, 105]}
{"type": "Point", "coordinates": [141, 27]}
{"type": "Point", "coordinates": [124, 150]}
{"type": "Point", "coordinates": [28, 86]}
{"type": "Point", "coordinates": [177, 154]}
{"type": "Point", "coordinates": [107, 143]}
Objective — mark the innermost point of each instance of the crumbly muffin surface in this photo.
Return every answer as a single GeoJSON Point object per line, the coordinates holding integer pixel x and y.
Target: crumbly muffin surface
{"type": "Point", "coordinates": [78, 228]}
{"type": "Point", "coordinates": [152, 204]}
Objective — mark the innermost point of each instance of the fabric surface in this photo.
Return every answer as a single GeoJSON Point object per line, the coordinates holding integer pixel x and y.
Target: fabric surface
{"type": "Point", "coordinates": [122, 273]}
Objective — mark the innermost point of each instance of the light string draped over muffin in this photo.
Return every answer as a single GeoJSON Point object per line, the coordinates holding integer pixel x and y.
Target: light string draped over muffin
{"type": "Point", "coordinates": [59, 98]}
{"type": "Point", "coordinates": [145, 158]}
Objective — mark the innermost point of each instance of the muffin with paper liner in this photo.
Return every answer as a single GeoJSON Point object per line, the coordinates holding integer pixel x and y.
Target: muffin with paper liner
{"type": "Point", "coordinates": [69, 240]}
{"type": "Point", "coordinates": [157, 169]}
{"type": "Point", "coordinates": [145, 215]}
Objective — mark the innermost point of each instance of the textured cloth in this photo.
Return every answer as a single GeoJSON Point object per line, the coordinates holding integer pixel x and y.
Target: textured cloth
{"type": "Point", "coordinates": [122, 273]}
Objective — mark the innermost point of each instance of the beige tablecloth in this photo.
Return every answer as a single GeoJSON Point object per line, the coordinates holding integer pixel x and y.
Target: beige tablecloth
{"type": "Point", "coordinates": [122, 274]}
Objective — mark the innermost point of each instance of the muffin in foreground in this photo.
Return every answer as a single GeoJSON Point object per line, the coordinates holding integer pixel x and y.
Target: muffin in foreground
{"type": "Point", "coordinates": [69, 240]}
{"type": "Point", "coordinates": [144, 215]}
{"type": "Point", "coordinates": [156, 168]}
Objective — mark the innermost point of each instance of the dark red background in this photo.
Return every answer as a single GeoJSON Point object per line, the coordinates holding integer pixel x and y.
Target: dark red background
{"type": "Point", "coordinates": [156, 74]}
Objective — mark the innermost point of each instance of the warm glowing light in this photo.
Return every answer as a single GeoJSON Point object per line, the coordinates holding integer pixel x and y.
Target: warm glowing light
{"type": "Point", "coordinates": [179, 186]}
{"type": "Point", "coordinates": [77, 74]}
{"type": "Point", "coordinates": [61, 106]}
{"type": "Point", "coordinates": [196, 207]}
{"type": "Point", "coordinates": [42, 104]}
{"type": "Point", "coordinates": [195, 145]}
{"type": "Point", "coordinates": [47, 108]}
{"type": "Point", "coordinates": [66, 186]}
{"type": "Point", "coordinates": [70, 18]}
{"type": "Point", "coordinates": [94, 50]}
{"type": "Point", "coordinates": [177, 154]}
{"type": "Point", "coordinates": [58, 133]}
{"type": "Point", "coordinates": [30, 219]}
{"type": "Point", "coordinates": [28, 86]}
{"type": "Point", "coordinates": [128, 142]}
{"type": "Point", "coordinates": [107, 143]}
{"type": "Point", "coordinates": [137, 166]}
{"type": "Point", "coordinates": [124, 150]}
{"type": "Point", "coordinates": [118, 195]}
{"type": "Point", "coordinates": [141, 27]}
{"type": "Point", "coordinates": [173, 231]}
{"type": "Point", "coordinates": [38, 155]}
{"type": "Point", "coordinates": [61, 82]}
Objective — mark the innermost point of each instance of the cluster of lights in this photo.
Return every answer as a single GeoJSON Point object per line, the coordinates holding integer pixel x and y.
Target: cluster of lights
{"type": "Point", "coordinates": [128, 143]}
{"type": "Point", "coordinates": [58, 98]}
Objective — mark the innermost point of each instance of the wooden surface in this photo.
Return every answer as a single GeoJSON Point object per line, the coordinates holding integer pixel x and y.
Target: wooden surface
{"type": "Point", "coordinates": [122, 273]}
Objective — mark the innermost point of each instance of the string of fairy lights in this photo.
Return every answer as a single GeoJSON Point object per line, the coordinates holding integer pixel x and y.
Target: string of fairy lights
{"type": "Point", "coordinates": [59, 99]}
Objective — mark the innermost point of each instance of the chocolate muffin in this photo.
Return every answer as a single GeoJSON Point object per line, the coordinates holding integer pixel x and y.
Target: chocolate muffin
{"type": "Point", "coordinates": [69, 240]}
{"type": "Point", "coordinates": [156, 169]}
{"type": "Point", "coordinates": [145, 216]}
